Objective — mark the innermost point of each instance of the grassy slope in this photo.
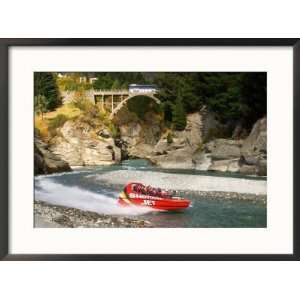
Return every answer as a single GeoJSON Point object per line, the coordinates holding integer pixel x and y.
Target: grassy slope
{"type": "Point", "coordinates": [89, 114]}
{"type": "Point", "coordinates": [43, 124]}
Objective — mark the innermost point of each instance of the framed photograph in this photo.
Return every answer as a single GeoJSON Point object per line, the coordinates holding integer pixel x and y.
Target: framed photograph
{"type": "Point", "coordinates": [149, 149]}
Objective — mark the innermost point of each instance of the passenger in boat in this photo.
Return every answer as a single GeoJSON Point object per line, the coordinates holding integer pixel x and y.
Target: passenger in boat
{"type": "Point", "coordinates": [135, 188]}
{"type": "Point", "coordinates": [166, 194]}
{"type": "Point", "coordinates": [159, 192]}
{"type": "Point", "coordinates": [149, 190]}
{"type": "Point", "coordinates": [154, 192]}
{"type": "Point", "coordinates": [146, 190]}
{"type": "Point", "coordinates": [138, 189]}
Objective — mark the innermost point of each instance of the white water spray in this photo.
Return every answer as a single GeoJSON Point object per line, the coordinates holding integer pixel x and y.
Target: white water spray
{"type": "Point", "coordinates": [54, 193]}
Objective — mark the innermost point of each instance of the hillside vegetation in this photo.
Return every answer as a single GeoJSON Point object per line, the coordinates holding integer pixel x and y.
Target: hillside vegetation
{"type": "Point", "coordinates": [234, 98]}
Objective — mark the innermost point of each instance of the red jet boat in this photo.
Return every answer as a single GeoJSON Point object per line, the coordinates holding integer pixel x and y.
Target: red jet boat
{"type": "Point", "coordinates": [140, 195]}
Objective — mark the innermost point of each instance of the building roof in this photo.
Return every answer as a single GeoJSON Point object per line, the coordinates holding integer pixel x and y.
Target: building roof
{"type": "Point", "coordinates": [142, 86]}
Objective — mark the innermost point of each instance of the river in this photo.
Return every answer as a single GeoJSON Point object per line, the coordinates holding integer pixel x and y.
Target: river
{"type": "Point", "coordinates": [96, 189]}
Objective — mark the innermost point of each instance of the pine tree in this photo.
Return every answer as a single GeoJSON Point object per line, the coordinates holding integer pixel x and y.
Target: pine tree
{"type": "Point", "coordinates": [179, 114]}
{"type": "Point", "coordinates": [45, 85]}
{"type": "Point", "coordinates": [40, 105]}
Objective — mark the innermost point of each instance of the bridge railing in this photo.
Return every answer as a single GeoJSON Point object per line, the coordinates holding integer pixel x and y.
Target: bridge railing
{"type": "Point", "coordinates": [122, 92]}
{"type": "Point", "coordinates": [110, 92]}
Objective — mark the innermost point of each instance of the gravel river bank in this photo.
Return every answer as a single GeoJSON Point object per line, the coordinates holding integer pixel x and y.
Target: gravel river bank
{"type": "Point", "coordinates": [56, 216]}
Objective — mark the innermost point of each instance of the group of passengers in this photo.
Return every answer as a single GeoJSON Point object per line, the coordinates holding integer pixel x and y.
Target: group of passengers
{"type": "Point", "coordinates": [151, 191]}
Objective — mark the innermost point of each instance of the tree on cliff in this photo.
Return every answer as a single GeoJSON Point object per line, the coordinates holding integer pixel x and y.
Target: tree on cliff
{"type": "Point", "coordinates": [167, 108]}
{"type": "Point", "coordinates": [253, 89]}
{"type": "Point", "coordinates": [233, 96]}
{"type": "Point", "coordinates": [45, 86]}
{"type": "Point", "coordinates": [117, 80]}
{"type": "Point", "coordinates": [179, 115]}
{"type": "Point", "coordinates": [40, 105]}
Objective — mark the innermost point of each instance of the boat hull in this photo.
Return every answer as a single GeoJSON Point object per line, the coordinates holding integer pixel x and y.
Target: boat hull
{"type": "Point", "coordinates": [163, 204]}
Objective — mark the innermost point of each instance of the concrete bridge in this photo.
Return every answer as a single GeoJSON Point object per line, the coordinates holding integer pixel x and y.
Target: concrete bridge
{"type": "Point", "coordinates": [109, 100]}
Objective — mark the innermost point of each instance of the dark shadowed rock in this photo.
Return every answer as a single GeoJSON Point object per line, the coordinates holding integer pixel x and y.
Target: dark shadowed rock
{"type": "Point", "coordinates": [247, 156]}
{"type": "Point", "coordinates": [248, 169]}
{"type": "Point", "coordinates": [45, 162]}
{"type": "Point", "coordinates": [104, 133]}
{"type": "Point", "coordinates": [254, 149]}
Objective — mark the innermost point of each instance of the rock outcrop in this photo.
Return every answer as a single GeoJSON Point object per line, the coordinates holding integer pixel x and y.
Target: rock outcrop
{"type": "Point", "coordinates": [222, 149]}
{"type": "Point", "coordinates": [140, 136]}
{"type": "Point", "coordinates": [80, 145]}
{"type": "Point", "coordinates": [248, 156]}
{"type": "Point", "coordinates": [175, 149]}
{"type": "Point", "coordinates": [254, 149]}
{"type": "Point", "coordinates": [45, 162]}
{"type": "Point", "coordinates": [187, 149]}
{"type": "Point", "coordinates": [224, 154]}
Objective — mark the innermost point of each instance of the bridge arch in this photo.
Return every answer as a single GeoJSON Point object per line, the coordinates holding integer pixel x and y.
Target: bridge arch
{"type": "Point", "coordinates": [124, 102]}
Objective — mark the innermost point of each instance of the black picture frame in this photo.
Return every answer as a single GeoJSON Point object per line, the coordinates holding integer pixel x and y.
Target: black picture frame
{"type": "Point", "coordinates": [173, 42]}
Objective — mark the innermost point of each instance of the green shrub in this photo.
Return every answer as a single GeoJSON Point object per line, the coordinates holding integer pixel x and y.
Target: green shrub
{"type": "Point", "coordinates": [90, 113]}
{"type": "Point", "coordinates": [57, 121]}
{"type": "Point", "coordinates": [83, 104]}
{"type": "Point", "coordinates": [200, 147]}
{"type": "Point", "coordinates": [103, 115]}
{"type": "Point", "coordinates": [169, 138]}
{"type": "Point", "coordinates": [157, 108]}
{"type": "Point", "coordinates": [139, 105]}
{"type": "Point", "coordinates": [114, 130]}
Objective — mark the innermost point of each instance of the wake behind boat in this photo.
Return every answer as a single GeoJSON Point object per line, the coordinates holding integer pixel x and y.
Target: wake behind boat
{"type": "Point", "coordinates": [140, 195]}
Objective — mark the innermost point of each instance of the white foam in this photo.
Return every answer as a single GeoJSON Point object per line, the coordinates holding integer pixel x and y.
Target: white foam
{"type": "Point", "coordinates": [54, 193]}
{"type": "Point", "coordinates": [61, 174]}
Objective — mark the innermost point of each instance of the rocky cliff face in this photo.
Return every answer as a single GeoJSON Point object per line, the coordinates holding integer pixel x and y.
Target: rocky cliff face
{"type": "Point", "coordinates": [175, 150]}
{"type": "Point", "coordinates": [78, 143]}
{"type": "Point", "coordinates": [248, 156]}
{"type": "Point", "coordinates": [81, 145]}
{"type": "Point", "coordinates": [219, 155]}
{"type": "Point", "coordinates": [140, 136]}
{"type": "Point", "coordinates": [45, 162]}
{"type": "Point", "coordinates": [188, 149]}
{"type": "Point", "coordinates": [254, 149]}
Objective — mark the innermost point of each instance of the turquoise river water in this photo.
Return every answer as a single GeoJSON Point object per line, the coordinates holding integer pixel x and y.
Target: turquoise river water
{"type": "Point", "coordinates": [84, 190]}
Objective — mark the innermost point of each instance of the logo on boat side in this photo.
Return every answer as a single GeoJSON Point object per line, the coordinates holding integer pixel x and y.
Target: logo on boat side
{"type": "Point", "coordinates": [149, 202]}
{"type": "Point", "coordinates": [133, 195]}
